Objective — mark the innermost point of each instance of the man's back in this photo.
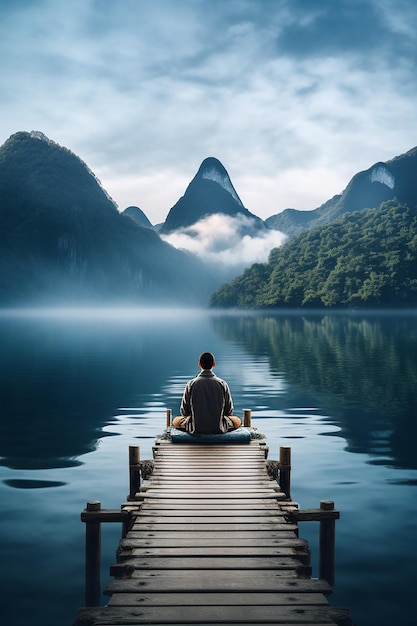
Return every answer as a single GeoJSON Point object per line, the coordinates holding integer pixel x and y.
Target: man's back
{"type": "Point", "coordinates": [208, 402]}
{"type": "Point", "coordinates": [207, 406]}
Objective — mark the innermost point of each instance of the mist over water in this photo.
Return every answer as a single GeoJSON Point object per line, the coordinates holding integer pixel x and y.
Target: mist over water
{"type": "Point", "coordinates": [79, 386]}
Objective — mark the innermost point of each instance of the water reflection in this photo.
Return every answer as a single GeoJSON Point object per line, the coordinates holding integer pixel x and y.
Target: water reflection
{"type": "Point", "coordinates": [65, 376]}
{"type": "Point", "coordinates": [75, 384]}
{"type": "Point", "coordinates": [21, 483]}
{"type": "Point", "coordinates": [362, 371]}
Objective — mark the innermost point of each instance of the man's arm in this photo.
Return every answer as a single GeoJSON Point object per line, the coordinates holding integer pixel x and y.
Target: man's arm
{"type": "Point", "coordinates": [185, 409]}
{"type": "Point", "coordinates": [228, 402]}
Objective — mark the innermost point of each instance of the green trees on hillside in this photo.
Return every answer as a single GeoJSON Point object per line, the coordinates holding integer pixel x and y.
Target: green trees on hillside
{"type": "Point", "coordinates": [364, 259]}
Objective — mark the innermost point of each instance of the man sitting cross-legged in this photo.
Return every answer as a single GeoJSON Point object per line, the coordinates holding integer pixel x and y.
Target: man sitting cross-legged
{"type": "Point", "coordinates": [207, 406]}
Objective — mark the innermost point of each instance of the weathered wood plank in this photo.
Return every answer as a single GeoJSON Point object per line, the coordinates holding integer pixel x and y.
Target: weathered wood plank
{"type": "Point", "coordinates": [204, 534]}
{"type": "Point", "coordinates": [217, 581]}
{"type": "Point", "coordinates": [171, 540]}
{"type": "Point", "coordinates": [87, 618]}
{"type": "Point", "coordinates": [199, 492]}
{"type": "Point", "coordinates": [213, 614]}
{"type": "Point", "coordinates": [228, 466]}
{"type": "Point", "coordinates": [225, 466]}
{"type": "Point", "coordinates": [210, 457]}
{"type": "Point", "coordinates": [197, 506]}
{"type": "Point", "coordinates": [210, 476]}
{"type": "Point", "coordinates": [211, 451]}
{"type": "Point", "coordinates": [189, 459]}
{"type": "Point", "coordinates": [190, 518]}
{"type": "Point", "coordinates": [203, 483]}
{"type": "Point", "coordinates": [227, 579]}
{"type": "Point", "coordinates": [223, 451]}
{"type": "Point", "coordinates": [213, 551]}
{"type": "Point", "coordinates": [223, 509]}
{"type": "Point", "coordinates": [217, 599]}
{"type": "Point", "coordinates": [218, 502]}
{"type": "Point", "coordinates": [220, 468]}
{"type": "Point", "coordinates": [201, 448]}
{"type": "Point", "coordinates": [170, 494]}
{"type": "Point", "coordinates": [196, 562]}
{"type": "Point", "coordinates": [221, 484]}
{"type": "Point", "coordinates": [149, 504]}
{"type": "Point", "coordinates": [228, 513]}
{"type": "Point", "coordinates": [207, 484]}
{"type": "Point", "coordinates": [200, 453]}
{"type": "Point", "coordinates": [308, 515]}
{"type": "Point", "coordinates": [193, 527]}
{"type": "Point", "coordinates": [184, 462]}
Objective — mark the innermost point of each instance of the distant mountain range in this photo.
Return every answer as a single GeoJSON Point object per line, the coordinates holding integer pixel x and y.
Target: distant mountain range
{"type": "Point", "coordinates": [63, 240]}
{"type": "Point", "coordinates": [367, 190]}
{"type": "Point", "coordinates": [211, 191]}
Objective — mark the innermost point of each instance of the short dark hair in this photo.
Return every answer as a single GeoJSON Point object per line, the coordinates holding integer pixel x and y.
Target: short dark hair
{"type": "Point", "coordinates": [206, 360]}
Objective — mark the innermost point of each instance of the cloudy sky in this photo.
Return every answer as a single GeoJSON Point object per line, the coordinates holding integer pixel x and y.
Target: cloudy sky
{"type": "Point", "coordinates": [293, 96]}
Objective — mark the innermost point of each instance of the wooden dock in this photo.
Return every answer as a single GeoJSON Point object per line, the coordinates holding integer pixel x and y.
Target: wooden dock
{"type": "Point", "coordinates": [212, 539]}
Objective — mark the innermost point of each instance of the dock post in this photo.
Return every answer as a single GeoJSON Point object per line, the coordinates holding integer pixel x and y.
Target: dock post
{"type": "Point", "coordinates": [247, 418]}
{"type": "Point", "coordinates": [169, 418]}
{"type": "Point", "coordinates": [285, 470]}
{"type": "Point", "coordinates": [92, 557]}
{"type": "Point", "coordinates": [134, 471]}
{"type": "Point", "coordinates": [327, 543]}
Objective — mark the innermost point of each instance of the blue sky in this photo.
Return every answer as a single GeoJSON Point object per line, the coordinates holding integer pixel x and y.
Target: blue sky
{"type": "Point", "coordinates": [293, 96]}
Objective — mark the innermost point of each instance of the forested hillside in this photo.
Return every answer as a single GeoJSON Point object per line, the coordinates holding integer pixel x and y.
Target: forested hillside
{"type": "Point", "coordinates": [364, 259]}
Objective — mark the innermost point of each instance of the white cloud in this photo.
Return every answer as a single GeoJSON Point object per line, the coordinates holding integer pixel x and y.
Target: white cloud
{"type": "Point", "coordinates": [226, 241]}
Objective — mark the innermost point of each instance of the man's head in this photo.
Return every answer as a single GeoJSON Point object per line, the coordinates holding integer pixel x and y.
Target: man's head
{"type": "Point", "coordinates": [206, 361]}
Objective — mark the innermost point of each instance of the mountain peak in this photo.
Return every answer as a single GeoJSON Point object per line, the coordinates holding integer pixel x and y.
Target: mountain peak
{"type": "Point", "coordinates": [34, 149]}
{"type": "Point", "coordinates": [212, 169]}
{"type": "Point", "coordinates": [210, 192]}
{"type": "Point", "coordinates": [138, 216]}
{"type": "Point", "coordinates": [37, 134]}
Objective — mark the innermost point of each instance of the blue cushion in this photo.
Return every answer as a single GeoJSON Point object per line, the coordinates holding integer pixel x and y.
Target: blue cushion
{"type": "Point", "coordinates": [240, 435]}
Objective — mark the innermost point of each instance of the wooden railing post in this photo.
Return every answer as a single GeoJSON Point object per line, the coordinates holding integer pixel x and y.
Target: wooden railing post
{"type": "Point", "coordinates": [247, 418]}
{"type": "Point", "coordinates": [327, 543]}
{"type": "Point", "coordinates": [93, 515]}
{"type": "Point", "coordinates": [92, 558]}
{"type": "Point", "coordinates": [134, 471]}
{"type": "Point", "coordinates": [327, 516]}
{"type": "Point", "coordinates": [169, 418]}
{"type": "Point", "coordinates": [285, 470]}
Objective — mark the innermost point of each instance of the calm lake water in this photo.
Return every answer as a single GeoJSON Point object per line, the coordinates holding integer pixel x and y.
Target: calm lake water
{"type": "Point", "coordinates": [78, 388]}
